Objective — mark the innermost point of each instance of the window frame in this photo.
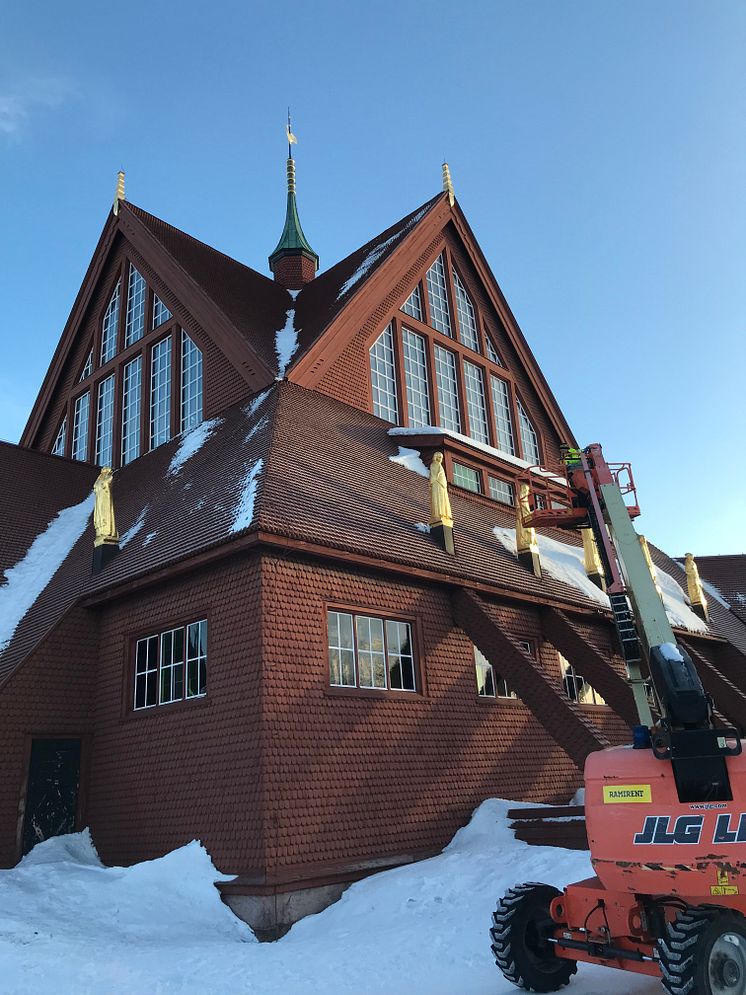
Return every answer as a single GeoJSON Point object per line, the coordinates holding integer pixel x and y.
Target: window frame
{"type": "Point", "coordinates": [129, 670]}
{"type": "Point", "coordinates": [336, 690]}
{"type": "Point", "coordinates": [575, 676]}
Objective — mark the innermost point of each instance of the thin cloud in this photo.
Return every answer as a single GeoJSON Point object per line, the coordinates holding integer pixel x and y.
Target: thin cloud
{"type": "Point", "coordinates": [20, 103]}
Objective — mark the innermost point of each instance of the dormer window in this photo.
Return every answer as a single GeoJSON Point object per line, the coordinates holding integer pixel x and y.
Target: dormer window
{"type": "Point", "coordinates": [105, 422]}
{"type": "Point", "coordinates": [110, 325]}
{"type": "Point", "coordinates": [413, 304]}
{"type": "Point", "coordinates": [446, 377]}
{"type": "Point", "coordinates": [383, 376]}
{"type": "Point", "coordinates": [467, 319]}
{"type": "Point", "coordinates": [88, 368]}
{"type": "Point", "coordinates": [529, 438]}
{"type": "Point", "coordinates": [58, 449]}
{"type": "Point", "coordinates": [80, 427]}
{"type": "Point", "coordinates": [503, 419]}
{"type": "Point", "coordinates": [161, 313]}
{"type": "Point", "coordinates": [191, 383]}
{"type": "Point", "coordinates": [136, 293]}
{"type": "Point", "coordinates": [476, 406]}
{"type": "Point", "coordinates": [415, 373]}
{"type": "Point", "coordinates": [437, 295]}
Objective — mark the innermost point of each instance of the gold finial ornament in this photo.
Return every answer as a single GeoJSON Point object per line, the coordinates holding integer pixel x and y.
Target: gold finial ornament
{"type": "Point", "coordinates": [119, 195]}
{"type": "Point", "coordinates": [448, 184]}
{"type": "Point", "coordinates": [591, 560]}
{"type": "Point", "coordinates": [103, 512]}
{"type": "Point", "coordinates": [695, 589]}
{"type": "Point", "coordinates": [526, 543]}
{"type": "Point", "coordinates": [440, 503]}
{"type": "Point", "coordinates": [651, 565]}
{"type": "Point", "coordinates": [291, 175]}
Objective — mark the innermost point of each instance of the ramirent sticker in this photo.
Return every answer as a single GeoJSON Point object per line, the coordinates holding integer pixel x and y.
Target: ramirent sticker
{"type": "Point", "coordinates": [619, 794]}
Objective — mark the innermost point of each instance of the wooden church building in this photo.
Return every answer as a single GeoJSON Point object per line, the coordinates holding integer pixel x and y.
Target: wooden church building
{"type": "Point", "coordinates": [272, 652]}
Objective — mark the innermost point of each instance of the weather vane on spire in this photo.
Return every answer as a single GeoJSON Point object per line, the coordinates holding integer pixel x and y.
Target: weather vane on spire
{"type": "Point", "coordinates": [292, 140]}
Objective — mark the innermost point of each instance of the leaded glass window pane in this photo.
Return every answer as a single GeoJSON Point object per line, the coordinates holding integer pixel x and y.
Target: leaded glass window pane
{"type": "Point", "coordinates": [341, 650]}
{"type": "Point", "coordinates": [437, 296]}
{"type": "Point", "coordinates": [146, 672]}
{"type": "Point", "coordinates": [371, 654]}
{"type": "Point", "coordinates": [413, 305]}
{"type": "Point", "coordinates": [467, 319]}
{"type": "Point", "coordinates": [415, 372]}
{"type": "Point", "coordinates": [105, 422]}
{"type": "Point", "coordinates": [80, 427]}
{"type": "Point", "coordinates": [475, 403]}
{"type": "Point", "coordinates": [492, 353]}
{"type": "Point", "coordinates": [131, 402]}
{"type": "Point", "coordinates": [110, 325]}
{"type": "Point", "coordinates": [88, 368]}
{"type": "Point", "coordinates": [529, 438]}
{"type": "Point", "coordinates": [447, 381]}
{"type": "Point", "coordinates": [160, 393]}
{"type": "Point", "coordinates": [196, 661]}
{"type": "Point", "coordinates": [191, 383]}
{"type": "Point", "coordinates": [160, 312]}
{"type": "Point", "coordinates": [501, 490]}
{"type": "Point", "coordinates": [400, 656]}
{"type": "Point", "coordinates": [383, 376]}
{"type": "Point", "coordinates": [467, 477]}
{"type": "Point", "coordinates": [135, 321]}
{"type": "Point", "coordinates": [503, 418]}
{"type": "Point", "coordinates": [58, 449]}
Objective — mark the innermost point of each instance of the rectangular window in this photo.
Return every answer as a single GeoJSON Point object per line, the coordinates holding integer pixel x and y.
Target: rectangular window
{"type": "Point", "coordinates": [80, 427]}
{"type": "Point", "coordinates": [160, 393]}
{"type": "Point", "coordinates": [191, 383]}
{"type": "Point", "coordinates": [437, 296]}
{"type": "Point", "coordinates": [415, 372]}
{"type": "Point", "coordinates": [383, 376]}
{"type": "Point", "coordinates": [503, 419]}
{"type": "Point", "coordinates": [135, 321]}
{"type": "Point", "coordinates": [105, 422]}
{"type": "Point", "coordinates": [447, 382]}
{"type": "Point", "coordinates": [131, 401]}
{"type": "Point", "coordinates": [160, 312]}
{"type": "Point", "coordinates": [370, 652]}
{"type": "Point", "coordinates": [501, 490]}
{"type": "Point", "coordinates": [413, 305]}
{"type": "Point", "coordinates": [490, 684]}
{"type": "Point", "coordinates": [58, 449]}
{"type": "Point", "coordinates": [467, 319]}
{"type": "Point", "coordinates": [576, 687]}
{"type": "Point", "coordinates": [110, 326]}
{"type": "Point", "coordinates": [171, 666]}
{"type": "Point", "coordinates": [146, 672]}
{"type": "Point", "coordinates": [529, 438]}
{"type": "Point", "coordinates": [475, 403]}
{"type": "Point", "coordinates": [467, 477]}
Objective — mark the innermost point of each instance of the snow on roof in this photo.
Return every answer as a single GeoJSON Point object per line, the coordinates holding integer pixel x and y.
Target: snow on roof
{"type": "Point", "coordinates": [134, 528]}
{"type": "Point", "coordinates": [191, 443]}
{"type": "Point", "coordinates": [286, 342]}
{"type": "Point", "coordinates": [244, 513]}
{"type": "Point", "coordinates": [25, 581]}
{"type": "Point", "coordinates": [565, 563]}
{"type": "Point", "coordinates": [410, 458]}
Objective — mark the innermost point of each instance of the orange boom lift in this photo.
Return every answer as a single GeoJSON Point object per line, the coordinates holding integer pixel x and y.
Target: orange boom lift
{"type": "Point", "coordinates": [666, 816]}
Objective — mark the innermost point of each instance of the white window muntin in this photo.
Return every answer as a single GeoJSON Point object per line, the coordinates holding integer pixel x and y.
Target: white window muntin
{"type": "Point", "coordinates": [492, 353]}
{"type": "Point", "coordinates": [79, 449]}
{"type": "Point", "coordinates": [88, 368]}
{"type": "Point", "coordinates": [58, 449]}
{"type": "Point", "coordinates": [134, 327]}
{"type": "Point", "coordinates": [341, 650]}
{"type": "Point", "coordinates": [485, 675]}
{"type": "Point", "coordinates": [110, 326]}
{"type": "Point", "coordinates": [146, 672]}
{"type": "Point", "coordinates": [577, 688]}
{"type": "Point", "coordinates": [467, 318]}
{"type": "Point", "coordinates": [131, 404]}
{"type": "Point", "coordinates": [160, 393]}
{"type": "Point", "coordinates": [501, 490]}
{"type": "Point", "coordinates": [160, 312]}
{"type": "Point", "coordinates": [413, 304]}
{"type": "Point", "coordinates": [475, 403]}
{"type": "Point", "coordinates": [467, 477]}
{"type": "Point", "coordinates": [370, 652]}
{"type": "Point", "coordinates": [529, 438]}
{"type": "Point", "coordinates": [415, 372]}
{"type": "Point", "coordinates": [503, 418]}
{"type": "Point", "coordinates": [171, 683]}
{"type": "Point", "coordinates": [437, 296]}
{"type": "Point", "coordinates": [171, 666]}
{"type": "Point", "coordinates": [105, 422]}
{"type": "Point", "coordinates": [191, 383]}
{"type": "Point", "coordinates": [446, 378]}
{"type": "Point", "coordinates": [196, 659]}
{"type": "Point", "coordinates": [383, 376]}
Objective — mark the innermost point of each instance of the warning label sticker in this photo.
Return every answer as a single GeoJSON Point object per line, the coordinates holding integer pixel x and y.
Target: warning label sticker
{"type": "Point", "coordinates": [619, 794]}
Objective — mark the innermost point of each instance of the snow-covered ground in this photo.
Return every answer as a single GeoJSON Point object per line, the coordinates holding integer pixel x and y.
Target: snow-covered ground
{"type": "Point", "coordinates": [70, 926]}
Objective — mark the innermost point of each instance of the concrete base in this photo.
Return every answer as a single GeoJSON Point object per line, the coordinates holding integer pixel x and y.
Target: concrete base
{"type": "Point", "coordinates": [443, 535]}
{"type": "Point", "coordinates": [104, 554]}
{"type": "Point", "coordinates": [700, 611]}
{"type": "Point", "coordinates": [271, 916]}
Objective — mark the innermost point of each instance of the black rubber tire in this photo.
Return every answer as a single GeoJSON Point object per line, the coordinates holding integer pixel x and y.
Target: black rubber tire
{"type": "Point", "coordinates": [519, 925]}
{"type": "Point", "coordinates": [686, 955]}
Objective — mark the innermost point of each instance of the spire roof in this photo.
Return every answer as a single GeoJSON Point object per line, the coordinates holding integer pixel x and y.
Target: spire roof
{"type": "Point", "coordinates": [292, 241]}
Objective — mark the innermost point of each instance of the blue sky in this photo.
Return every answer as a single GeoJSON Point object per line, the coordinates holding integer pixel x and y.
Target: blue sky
{"type": "Point", "coordinates": [598, 149]}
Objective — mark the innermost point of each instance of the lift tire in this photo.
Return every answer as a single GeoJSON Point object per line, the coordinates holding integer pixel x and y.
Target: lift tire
{"type": "Point", "coordinates": [704, 953]}
{"type": "Point", "coordinates": [520, 926]}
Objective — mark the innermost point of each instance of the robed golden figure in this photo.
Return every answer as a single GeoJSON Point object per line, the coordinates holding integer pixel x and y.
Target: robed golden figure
{"type": "Point", "coordinates": [103, 512]}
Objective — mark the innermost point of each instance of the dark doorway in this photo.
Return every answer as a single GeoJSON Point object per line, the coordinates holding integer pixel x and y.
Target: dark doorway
{"type": "Point", "coordinates": [52, 791]}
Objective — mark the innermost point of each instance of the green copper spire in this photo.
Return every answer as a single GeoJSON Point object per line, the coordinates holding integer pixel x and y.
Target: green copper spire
{"type": "Point", "coordinates": [292, 241]}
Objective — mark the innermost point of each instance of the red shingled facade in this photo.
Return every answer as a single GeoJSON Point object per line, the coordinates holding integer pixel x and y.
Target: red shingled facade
{"type": "Point", "coordinates": [293, 783]}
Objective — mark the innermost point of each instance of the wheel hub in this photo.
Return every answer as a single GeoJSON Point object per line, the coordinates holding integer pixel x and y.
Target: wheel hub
{"type": "Point", "coordinates": [727, 965]}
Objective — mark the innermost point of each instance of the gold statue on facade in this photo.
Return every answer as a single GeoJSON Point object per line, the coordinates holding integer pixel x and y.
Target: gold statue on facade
{"type": "Point", "coordinates": [694, 587]}
{"type": "Point", "coordinates": [651, 565]}
{"type": "Point", "coordinates": [592, 560]}
{"type": "Point", "coordinates": [525, 536]}
{"type": "Point", "coordinates": [440, 503]}
{"type": "Point", "coordinates": [103, 512]}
